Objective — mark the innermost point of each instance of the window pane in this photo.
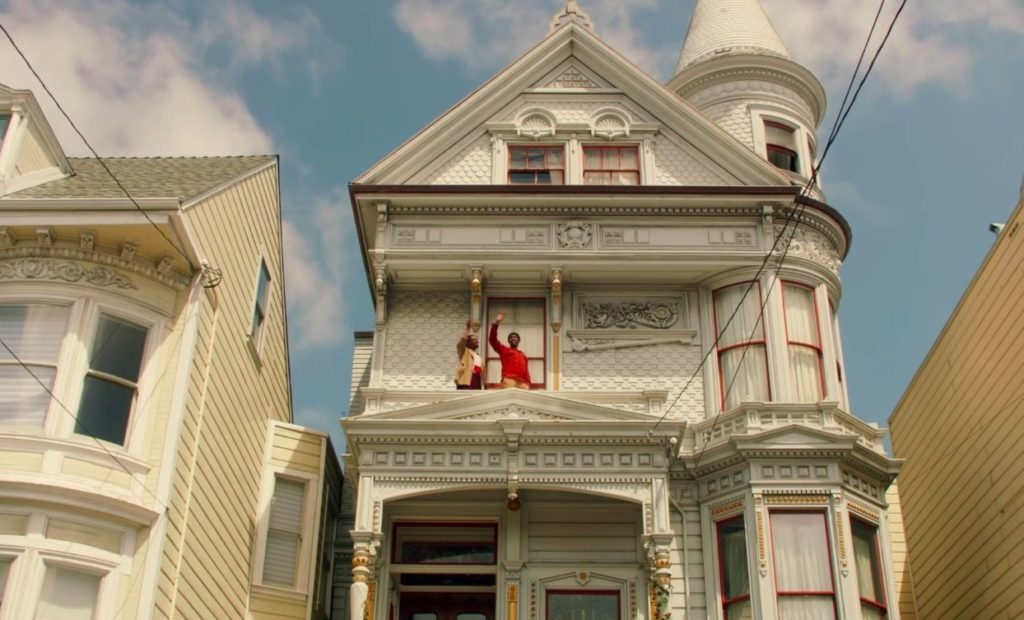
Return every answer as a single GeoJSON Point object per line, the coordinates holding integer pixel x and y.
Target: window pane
{"type": "Point", "coordinates": [870, 612]}
{"type": "Point", "coordinates": [732, 538]}
{"type": "Point", "coordinates": [802, 562]}
{"type": "Point", "coordinates": [805, 371]}
{"type": "Point", "coordinates": [628, 159]}
{"type": "Point", "coordinates": [806, 608]}
{"type": "Point", "coordinates": [784, 159]}
{"type": "Point", "coordinates": [801, 318]}
{"type": "Point", "coordinates": [33, 332]}
{"type": "Point", "coordinates": [284, 532]}
{"type": "Point", "coordinates": [583, 606]}
{"type": "Point", "coordinates": [535, 158]}
{"type": "Point", "coordinates": [745, 324]}
{"type": "Point", "coordinates": [592, 159]}
{"type": "Point", "coordinates": [22, 400]}
{"type": "Point", "coordinates": [104, 410]}
{"type": "Point", "coordinates": [543, 177]}
{"type": "Point", "coordinates": [442, 544]}
{"type": "Point", "coordinates": [744, 377]}
{"type": "Point", "coordinates": [118, 348]}
{"type": "Point", "coordinates": [525, 178]}
{"type": "Point", "coordinates": [281, 557]}
{"type": "Point", "coordinates": [555, 157]}
{"type": "Point", "coordinates": [557, 178]}
{"type": "Point", "coordinates": [865, 552]}
{"type": "Point", "coordinates": [4, 121]}
{"type": "Point", "coordinates": [518, 158]}
{"type": "Point", "coordinates": [780, 135]}
{"type": "Point", "coordinates": [740, 610]}
{"type": "Point", "coordinates": [68, 595]}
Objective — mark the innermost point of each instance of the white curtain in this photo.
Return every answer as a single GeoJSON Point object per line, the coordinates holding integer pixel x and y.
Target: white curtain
{"type": "Point", "coordinates": [802, 565]}
{"type": "Point", "coordinates": [865, 554]}
{"type": "Point", "coordinates": [34, 333]}
{"type": "Point", "coordinates": [525, 317]}
{"type": "Point", "coordinates": [804, 343]}
{"type": "Point", "coordinates": [68, 595]}
{"type": "Point", "coordinates": [744, 375]}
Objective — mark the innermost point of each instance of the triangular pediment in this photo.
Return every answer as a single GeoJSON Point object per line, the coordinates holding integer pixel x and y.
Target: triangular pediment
{"type": "Point", "coordinates": [575, 83]}
{"type": "Point", "coordinates": [493, 405]}
{"type": "Point", "coordinates": [797, 437]}
{"type": "Point", "coordinates": [33, 155]}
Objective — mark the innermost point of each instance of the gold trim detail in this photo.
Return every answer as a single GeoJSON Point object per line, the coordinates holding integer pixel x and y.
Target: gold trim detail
{"type": "Point", "coordinates": [842, 542]}
{"type": "Point", "coordinates": [762, 555]}
{"type": "Point", "coordinates": [513, 599]}
{"type": "Point", "coordinates": [796, 500]}
{"type": "Point", "coordinates": [556, 361]}
{"type": "Point", "coordinates": [864, 511]}
{"type": "Point", "coordinates": [371, 601]}
{"type": "Point", "coordinates": [722, 509]}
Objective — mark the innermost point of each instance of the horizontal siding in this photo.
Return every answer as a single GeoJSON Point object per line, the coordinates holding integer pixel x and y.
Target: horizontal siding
{"type": "Point", "coordinates": [962, 488]}
{"type": "Point", "coordinates": [904, 595]}
{"type": "Point", "coordinates": [689, 587]}
{"type": "Point", "coordinates": [31, 156]}
{"type": "Point", "coordinates": [264, 606]}
{"type": "Point", "coordinates": [585, 533]}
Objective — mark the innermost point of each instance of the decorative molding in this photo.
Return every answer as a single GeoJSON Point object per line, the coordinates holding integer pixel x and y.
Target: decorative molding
{"type": "Point", "coordinates": [572, 78]}
{"type": "Point", "coordinates": [575, 235]}
{"type": "Point", "coordinates": [718, 510]}
{"type": "Point", "coordinates": [864, 512]}
{"type": "Point", "coordinates": [811, 245]}
{"type": "Point", "coordinates": [49, 269]}
{"type": "Point", "coordinates": [535, 123]}
{"type": "Point", "coordinates": [87, 240]}
{"type": "Point", "coordinates": [609, 125]}
{"type": "Point", "coordinates": [655, 314]}
{"type": "Point", "coordinates": [7, 237]}
{"type": "Point", "coordinates": [844, 563]}
{"type": "Point", "coordinates": [762, 554]}
{"type": "Point", "coordinates": [45, 236]}
{"type": "Point", "coordinates": [128, 250]}
{"type": "Point", "coordinates": [172, 279]}
{"type": "Point", "coordinates": [796, 500]}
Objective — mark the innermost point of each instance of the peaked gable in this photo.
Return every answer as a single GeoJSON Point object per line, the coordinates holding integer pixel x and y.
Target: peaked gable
{"type": "Point", "coordinates": [572, 62]}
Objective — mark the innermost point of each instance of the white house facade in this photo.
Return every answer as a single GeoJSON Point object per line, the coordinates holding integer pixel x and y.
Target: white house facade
{"type": "Point", "coordinates": [686, 446]}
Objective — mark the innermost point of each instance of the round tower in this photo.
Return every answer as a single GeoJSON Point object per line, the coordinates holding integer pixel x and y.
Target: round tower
{"type": "Point", "coordinates": [735, 69]}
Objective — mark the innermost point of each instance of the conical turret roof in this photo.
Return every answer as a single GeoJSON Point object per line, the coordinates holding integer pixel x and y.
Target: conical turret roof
{"type": "Point", "coordinates": [721, 27]}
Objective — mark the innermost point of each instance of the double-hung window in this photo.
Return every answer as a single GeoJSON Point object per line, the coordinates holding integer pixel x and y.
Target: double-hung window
{"type": "Point", "coordinates": [869, 570]}
{"type": "Point", "coordinates": [536, 165]}
{"type": "Point", "coordinates": [284, 533]}
{"type": "Point", "coordinates": [259, 311]}
{"type": "Point", "coordinates": [111, 382]}
{"type": "Point", "coordinates": [611, 165]}
{"type": "Point", "coordinates": [742, 355]}
{"type": "Point", "coordinates": [31, 333]}
{"type": "Point", "coordinates": [803, 336]}
{"type": "Point", "coordinates": [781, 146]}
{"type": "Point", "coordinates": [527, 318]}
{"type": "Point", "coordinates": [68, 594]}
{"type": "Point", "coordinates": [733, 571]}
{"type": "Point", "coordinates": [803, 565]}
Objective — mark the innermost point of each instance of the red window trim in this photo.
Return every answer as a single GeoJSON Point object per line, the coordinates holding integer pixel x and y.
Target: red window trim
{"type": "Point", "coordinates": [548, 593]}
{"type": "Point", "coordinates": [878, 574]}
{"type": "Point", "coordinates": [823, 389]}
{"type": "Point", "coordinates": [511, 170]}
{"type": "Point", "coordinates": [726, 602]}
{"type": "Point", "coordinates": [831, 573]}
{"type": "Point", "coordinates": [762, 342]}
{"type": "Point", "coordinates": [611, 147]}
{"type": "Point", "coordinates": [453, 524]}
{"type": "Point", "coordinates": [490, 354]}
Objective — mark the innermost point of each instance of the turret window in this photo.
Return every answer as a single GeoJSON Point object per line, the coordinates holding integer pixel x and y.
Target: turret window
{"type": "Point", "coordinates": [611, 165]}
{"type": "Point", "coordinates": [781, 146]}
{"type": "Point", "coordinates": [536, 165]}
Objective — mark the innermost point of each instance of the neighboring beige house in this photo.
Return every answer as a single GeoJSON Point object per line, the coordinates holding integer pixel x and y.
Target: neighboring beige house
{"type": "Point", "coordinates": [620, 224]}
{"type": "Point", "coordinates": [149, 468]}
{"type": "Point", "coordinates": [958, 426]}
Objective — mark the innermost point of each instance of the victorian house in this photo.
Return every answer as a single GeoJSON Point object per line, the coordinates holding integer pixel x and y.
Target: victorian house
{"type": "Point", "coordinates": [148, 464]}
{"type": "Point", "coordinates": [686, 446]}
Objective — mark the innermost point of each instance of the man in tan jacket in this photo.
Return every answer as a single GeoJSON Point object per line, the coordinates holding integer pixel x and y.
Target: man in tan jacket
{"type": "Point", "coordinates": [468, 374]}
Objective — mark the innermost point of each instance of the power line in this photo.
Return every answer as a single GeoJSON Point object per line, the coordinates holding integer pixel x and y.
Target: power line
{"type": "Point", "coordinates": [841, 117]}
{"type": "Point", "coordinates": [78, 422]}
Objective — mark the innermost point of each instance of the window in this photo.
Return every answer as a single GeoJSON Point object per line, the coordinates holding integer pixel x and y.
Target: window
{"type": "Point", "coordinates": [68, 594]}
{"type": "Point", "coordinates": [445, 543]}
{"type": "Point", "coordinates": [5, 570]}
{"type": "Point", "coordinates": [111, 382]}
{"type": "Point", "coordinates": [803, 337]}
{"type": "Point", "coordinates": [536, 165]}
{"type": "Point", "coordinates": [284, 533]}
{"type": "Point", "coordinates": [611, 165]}
{"type": "Point", "coordinates": [869, 570]}
{"type": "Point", "coordinates": [742, 356]}
{"type": "Point", "coordinates": [733, 572]}
{"type": "Point", "coordinates": [259, 311]}
{"type": "Point", "coordinates": [5, 120]}
{"type": "Point", "coordinates": [527, 318]}
{"type": "Point", "coordinates": [34, 333]}
{"type": "Point", "coordinates": [781, 146]}
{"type": "Point", "coordinates": [582, 605]}
{"type": "Point", "coordinates": [803, 565]}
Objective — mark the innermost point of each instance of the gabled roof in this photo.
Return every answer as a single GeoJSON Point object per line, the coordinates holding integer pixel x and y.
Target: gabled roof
{"type": "Point", "coordinates": [145, 177]}
{"type": "Point", "coordinates": [721, 27]}
{"type": "Point", "coordinates": [571, 42]}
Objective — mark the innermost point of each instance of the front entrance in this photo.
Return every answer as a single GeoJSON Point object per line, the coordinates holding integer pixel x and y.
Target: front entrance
{"type": "Point", "coordinates": [447, 606]}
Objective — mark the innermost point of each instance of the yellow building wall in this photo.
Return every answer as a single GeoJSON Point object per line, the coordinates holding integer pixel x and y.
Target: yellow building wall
{"type": "Point", "coordinates": [958, 426]}
{"type": "Point", "coordinates": [903, 598]}
{"type": "Point", "coordinates": [233, 392]}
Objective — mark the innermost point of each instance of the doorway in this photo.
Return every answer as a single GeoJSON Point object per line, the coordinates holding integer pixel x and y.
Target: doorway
{"type": "Point", "coordinates": [447, 606]}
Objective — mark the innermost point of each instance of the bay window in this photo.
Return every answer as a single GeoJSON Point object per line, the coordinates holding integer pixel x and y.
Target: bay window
{"type": "Point", "coordinates": [52, 350]}
{"type": "Point", "coordinates": [536, 165]}
{"type": "Point", "coordinates": [742, 355]}
{"type": "Point", "coordinates": [33, 333]}
{"type": "Point", "coordinates": [732, 570]}
{"type": "Point", "coordinates": [803, 343]}
{"type": "Point", "coordinates": [803, 565]}
{"type": "Point", "coordinates": [611, 165]}
{"type": "Point", "coordinates": [869, 570]}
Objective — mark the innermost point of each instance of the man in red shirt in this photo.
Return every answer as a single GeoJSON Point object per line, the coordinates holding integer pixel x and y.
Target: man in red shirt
{"type": "Point", "coordinates": [515, 369]}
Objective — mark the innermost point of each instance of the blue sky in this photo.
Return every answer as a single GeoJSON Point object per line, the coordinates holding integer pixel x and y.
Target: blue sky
{"type": "Point", "coordinates": [932, 153]}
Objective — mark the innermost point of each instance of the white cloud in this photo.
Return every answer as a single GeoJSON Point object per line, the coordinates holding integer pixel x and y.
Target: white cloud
{"type": "Point", "coordinates": [935, 42]}
{"type": "Point", "coordinates": [319, 247]}
{"type": "Point", "coordinates": [135, 78]}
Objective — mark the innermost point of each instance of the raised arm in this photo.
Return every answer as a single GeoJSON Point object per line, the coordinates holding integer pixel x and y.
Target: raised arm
{"type": "Point", "coordinates": [493, 339]}
{"type": "Point", "coordinates": [460, 346]}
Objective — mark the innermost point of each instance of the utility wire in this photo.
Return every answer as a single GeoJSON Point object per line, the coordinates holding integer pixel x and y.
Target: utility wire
{"type": "Point", "coordinates": [78, 422]}
{"type": "Point", "coordinates": [841, 117]}
{"type": "Point", "coordinates": [213, 275]}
